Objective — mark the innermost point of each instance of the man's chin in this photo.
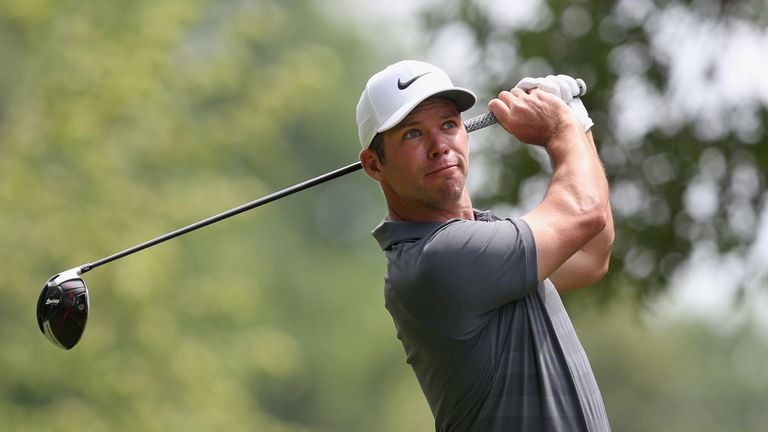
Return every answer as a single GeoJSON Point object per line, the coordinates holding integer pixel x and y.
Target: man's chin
{"type": "Point", "coordinates": [451, 192]}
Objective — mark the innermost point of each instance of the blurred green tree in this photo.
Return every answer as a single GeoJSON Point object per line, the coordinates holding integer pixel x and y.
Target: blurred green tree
{"type": "Point", "coordinates": [121, 121]}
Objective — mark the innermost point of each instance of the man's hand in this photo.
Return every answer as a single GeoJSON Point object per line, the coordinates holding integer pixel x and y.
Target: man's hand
{"type": "Point", "coordinates": [564, 87]}
{"type": "Point", "coordinates": [535, 117]}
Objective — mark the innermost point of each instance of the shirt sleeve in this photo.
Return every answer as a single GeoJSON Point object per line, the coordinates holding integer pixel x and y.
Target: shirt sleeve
{"type": "Point", "coordinates": [469, 268]}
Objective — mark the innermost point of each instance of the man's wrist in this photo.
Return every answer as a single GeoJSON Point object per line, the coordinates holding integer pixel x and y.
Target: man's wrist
{"type": "Point", "coordinates": [568, 134]}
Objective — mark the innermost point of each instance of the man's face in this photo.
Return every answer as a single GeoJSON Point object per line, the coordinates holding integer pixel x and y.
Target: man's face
{"type": "Point", "coordinates": [426, 157]}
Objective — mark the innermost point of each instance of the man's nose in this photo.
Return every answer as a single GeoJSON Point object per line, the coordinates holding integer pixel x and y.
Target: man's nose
{"type": "Point", "coordinates": [439, 145]}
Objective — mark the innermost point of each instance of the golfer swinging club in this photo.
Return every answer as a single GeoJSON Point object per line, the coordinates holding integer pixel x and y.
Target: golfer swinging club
{"type": "Point", "coordinates": [475, 297]}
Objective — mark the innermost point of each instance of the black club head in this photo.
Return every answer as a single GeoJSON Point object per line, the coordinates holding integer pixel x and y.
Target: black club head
{"type": "Point", "coordinates": [62, 308]}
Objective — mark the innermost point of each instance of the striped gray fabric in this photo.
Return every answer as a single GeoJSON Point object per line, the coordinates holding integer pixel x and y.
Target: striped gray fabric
{"type": "Point", "coordinates": [493, 349]}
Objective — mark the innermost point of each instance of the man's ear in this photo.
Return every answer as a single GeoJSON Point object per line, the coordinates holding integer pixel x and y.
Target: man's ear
{"type": "Point", "coordinates": [371, 164]}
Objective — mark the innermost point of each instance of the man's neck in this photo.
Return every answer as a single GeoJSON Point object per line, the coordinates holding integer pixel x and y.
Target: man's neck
{"type": "Point", "coordinates": [461, 210]}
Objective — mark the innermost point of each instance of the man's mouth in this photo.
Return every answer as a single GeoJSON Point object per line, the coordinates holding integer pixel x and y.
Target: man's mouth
{"type": "Point", "coordinates": [442, 169]}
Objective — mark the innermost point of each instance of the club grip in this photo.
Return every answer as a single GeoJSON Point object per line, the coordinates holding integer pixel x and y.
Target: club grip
{"type": "Point", "coordinates": [487, 119]}
{"type": "Point", "coordinates": [479, 122]}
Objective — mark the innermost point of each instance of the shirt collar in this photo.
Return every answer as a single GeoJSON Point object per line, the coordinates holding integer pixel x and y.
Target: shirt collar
{"type": "Point", "coordinates": [389, 233]}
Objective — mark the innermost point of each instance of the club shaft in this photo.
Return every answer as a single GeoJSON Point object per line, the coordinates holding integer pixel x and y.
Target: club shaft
{"type": "Point", "coordinates": [472, 124]}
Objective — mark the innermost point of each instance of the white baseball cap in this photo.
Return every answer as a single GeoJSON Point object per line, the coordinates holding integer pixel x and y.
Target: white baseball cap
{"type": "Point", "coordinates": [392, 93]}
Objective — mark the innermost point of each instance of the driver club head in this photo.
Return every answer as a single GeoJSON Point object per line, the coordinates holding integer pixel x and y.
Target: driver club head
{"type": "Point", "coordinates": [62, 308]}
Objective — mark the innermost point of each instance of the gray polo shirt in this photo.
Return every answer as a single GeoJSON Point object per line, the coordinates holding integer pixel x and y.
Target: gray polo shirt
{"type": "Point", "coordinates": [493, 349]}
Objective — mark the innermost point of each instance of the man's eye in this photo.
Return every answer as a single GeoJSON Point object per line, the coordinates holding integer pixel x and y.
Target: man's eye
{"type": "Point", "coordinates": [413, 133]}
{"type": "Point", "coordinates": [450, 124]}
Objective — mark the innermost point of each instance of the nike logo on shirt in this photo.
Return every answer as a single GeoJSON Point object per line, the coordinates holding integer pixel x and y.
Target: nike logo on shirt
{"type": "Point", "coordinates": [404, 85]}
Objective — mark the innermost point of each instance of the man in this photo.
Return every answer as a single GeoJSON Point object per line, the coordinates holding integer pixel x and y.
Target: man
{"type": "Point", "coordinates": [475, 298]}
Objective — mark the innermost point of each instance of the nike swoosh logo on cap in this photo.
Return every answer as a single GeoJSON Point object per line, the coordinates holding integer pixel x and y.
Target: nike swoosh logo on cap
{"type": "Point", "coordinates": [404, 85]}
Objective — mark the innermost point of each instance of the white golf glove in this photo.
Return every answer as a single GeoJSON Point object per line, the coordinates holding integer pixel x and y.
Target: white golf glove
{"type": "Point", "coordinates": [564, 87]}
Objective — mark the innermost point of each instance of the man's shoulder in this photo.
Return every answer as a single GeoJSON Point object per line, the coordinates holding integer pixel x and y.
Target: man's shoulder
{"type": "Point", "coordinates": [446, 251]}
{"type": "Point", "coordinates": [389, 233]}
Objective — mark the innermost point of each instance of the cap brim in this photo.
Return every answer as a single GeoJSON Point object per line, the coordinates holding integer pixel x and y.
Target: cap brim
{"type": "Point", "coordinates": [463, 98]}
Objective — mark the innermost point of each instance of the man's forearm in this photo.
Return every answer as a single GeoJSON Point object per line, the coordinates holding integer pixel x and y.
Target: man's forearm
{"type": "Point", "coordinates": [573, 211]}
{"type": "Point", "coordinates": [602, 243]}
{"type": "Point", "coordinates": [600, 246]}
{"type": "Point", "coordinates": [578, 179]}
{"type": "Point", "coordinates": [590, 263]}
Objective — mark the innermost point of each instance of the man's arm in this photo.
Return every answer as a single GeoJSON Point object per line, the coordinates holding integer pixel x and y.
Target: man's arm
{"type": "Point", "coordinates": [575, 208]}
{"type": "Point", "coordinates": [590, 263]}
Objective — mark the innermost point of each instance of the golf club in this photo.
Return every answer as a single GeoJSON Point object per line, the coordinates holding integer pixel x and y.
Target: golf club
{"type": "Point", "coordinates": [63, 305]}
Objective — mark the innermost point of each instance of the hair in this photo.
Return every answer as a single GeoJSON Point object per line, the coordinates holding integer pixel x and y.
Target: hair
{"type": "Point", "coordinates": [377, 145]}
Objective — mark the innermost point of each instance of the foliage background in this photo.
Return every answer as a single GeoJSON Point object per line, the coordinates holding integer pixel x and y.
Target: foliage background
{"type": "Point", "coordinates": [122, 121]}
